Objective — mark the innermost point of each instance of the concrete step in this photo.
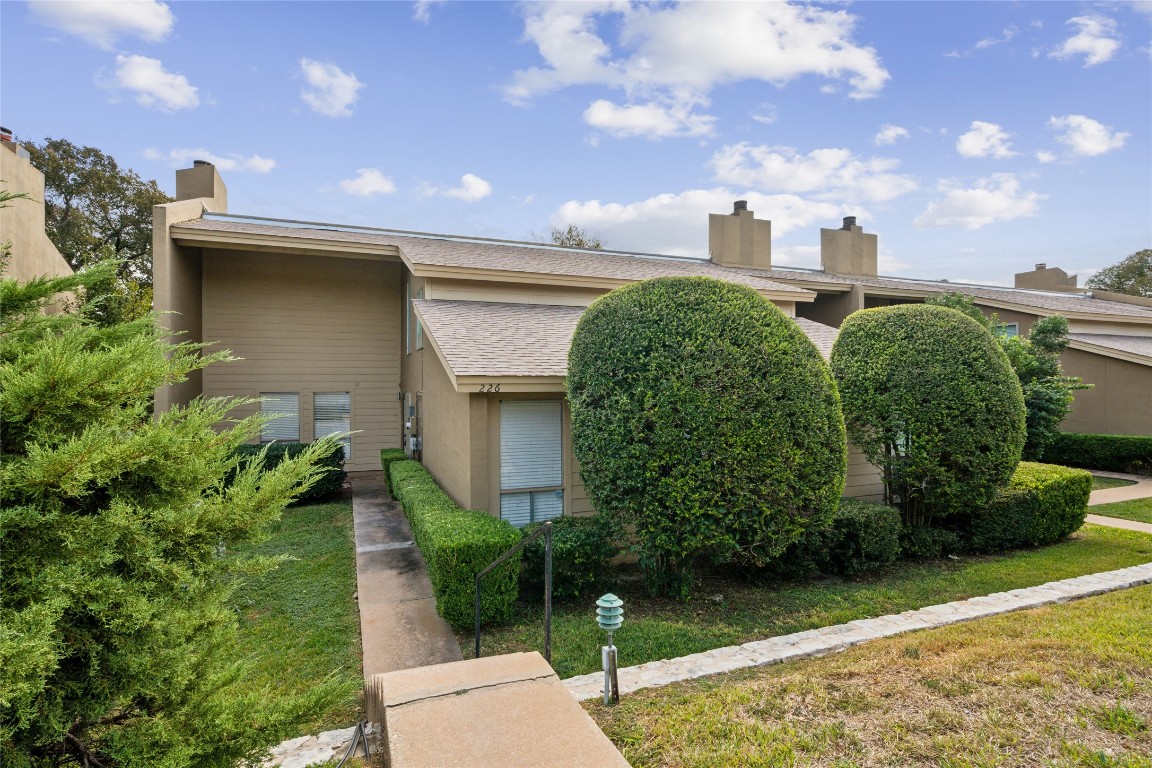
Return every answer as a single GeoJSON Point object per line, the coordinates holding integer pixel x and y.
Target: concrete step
{"type": "Point", "coordinates": [510, 711]}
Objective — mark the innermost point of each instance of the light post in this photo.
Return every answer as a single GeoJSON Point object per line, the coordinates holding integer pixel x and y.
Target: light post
{"type": "Point", "coordinates": [610, 616]}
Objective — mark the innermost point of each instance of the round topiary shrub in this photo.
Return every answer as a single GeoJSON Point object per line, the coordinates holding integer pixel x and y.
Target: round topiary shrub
{"type": "Point", "coordinates": [705, 423]}
{"type": "Point", "coordinates": [931, 399]}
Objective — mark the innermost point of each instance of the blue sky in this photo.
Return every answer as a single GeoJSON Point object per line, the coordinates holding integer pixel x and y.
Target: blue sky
{"type": "Point", "coordinates": [976, 138]}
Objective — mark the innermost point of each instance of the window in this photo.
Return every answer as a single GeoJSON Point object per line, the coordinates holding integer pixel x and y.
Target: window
{"type": "Point", "coordinates": [413, 329]}
{"type": "Point", "coordinates": [419, 325]}
{"type": "Point", "coordinates": [1008, 329]}
{"type": "Point", "coordinates": [332, 414]}
{"type": "Point", "coordinates": [531, 461]}
{"type": "Point", "coordinates": [286, 407]}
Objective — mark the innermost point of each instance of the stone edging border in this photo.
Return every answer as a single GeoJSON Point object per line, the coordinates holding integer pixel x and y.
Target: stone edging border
{"type": "Point", "coordinates": [817, 642]}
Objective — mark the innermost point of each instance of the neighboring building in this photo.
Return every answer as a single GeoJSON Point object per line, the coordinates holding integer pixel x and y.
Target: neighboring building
{"type": "Point", "coordinates": [22, 220]}
{"type": "Point", "coordinates": [454, 347]}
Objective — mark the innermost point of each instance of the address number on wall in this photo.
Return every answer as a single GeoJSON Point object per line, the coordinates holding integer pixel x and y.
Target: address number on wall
{"type": "Point", "coordinates": [489, 388]}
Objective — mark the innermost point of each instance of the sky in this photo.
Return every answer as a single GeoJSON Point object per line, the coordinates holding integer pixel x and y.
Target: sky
{"type": "Point", "coordinates": [975, 138]}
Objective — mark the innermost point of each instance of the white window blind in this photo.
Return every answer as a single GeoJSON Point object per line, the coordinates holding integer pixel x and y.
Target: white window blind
{"type": "Point", "coordinates": [285, 428]}
{"type": "Point", "coordinates": [331, 414]}
{"type": "Point", "coordinates": [531, 461]}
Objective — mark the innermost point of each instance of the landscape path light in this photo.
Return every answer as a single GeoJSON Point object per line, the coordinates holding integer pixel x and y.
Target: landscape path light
{"type": "Point", "coordinates": [610, 616]}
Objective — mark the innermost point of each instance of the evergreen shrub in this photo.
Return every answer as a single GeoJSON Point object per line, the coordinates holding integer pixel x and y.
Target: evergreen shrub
{"type": "Point", "coordinates": [582, 549]}
{"type": "Point", "coordinates": [930, 398]}
{"type": "Point", "coordinates": [1111, 453]}
{"type": "Point", "coordinates": [705, 422]}
{"type": "Point", "coordinates": [457, 544]}
{"type": "Point", "coordinates": [1042, 503]}
{"type": "Point", "coordinates": [387, 456]}
{"type": "Point", "coordinates": [861, 537]}
{"type": "Point", "coordinates": [269, 456]}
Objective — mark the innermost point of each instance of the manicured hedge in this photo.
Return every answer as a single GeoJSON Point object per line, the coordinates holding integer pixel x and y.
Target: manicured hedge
{"type": "Point", "coordinates": [1112, 453]}
{"type": "Point", "coordinates": [705, 422]}
{"type": "Point", "coordinates": [327, 485]}
{"type": "Point", "coordinates": [387, 456]}
{"type": "Point", "coordinates": [457, 544]}
{"type": "Point", "coordinates": [862, 536]}
{"type": "Point", "coordinates": [1042, 503]}
{"type": "Point", "coordinates": [931, 399]}
{"type": "Point", "coordinates": [582, 549]}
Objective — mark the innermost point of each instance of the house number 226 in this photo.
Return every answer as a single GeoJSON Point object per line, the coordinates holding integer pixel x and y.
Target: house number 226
{"type": "Point", "coordinates": [489, 388]}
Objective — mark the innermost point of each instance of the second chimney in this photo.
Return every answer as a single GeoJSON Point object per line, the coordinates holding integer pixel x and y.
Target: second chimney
{"type": "Point", "coordinates": [739, 239]}
{"type": "Point", "coordinates": [848, 250]}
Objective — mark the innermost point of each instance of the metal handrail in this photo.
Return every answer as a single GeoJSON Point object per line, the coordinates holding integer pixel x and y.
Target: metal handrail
{"type": "Point", "coordinates": [545, 531]}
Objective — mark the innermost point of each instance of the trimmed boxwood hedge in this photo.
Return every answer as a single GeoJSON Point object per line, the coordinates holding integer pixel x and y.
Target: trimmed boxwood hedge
{"type": "Point", "coordinates": [862, 536]}
{"type": "Point", "coordinates": [705, 422]}
{"type": "Point", "coordinates": [328, 483]}
{"type": "Point", "coordinates": [387, 456]}
{"type": "Point", "coordinates": [931, 399]}
{"type": "Point", "coordinates": [1111, 453]}
{"type": "Point", "coordinates": [1042, 503]}
{"type": "Point", "coordinates": [582, 549]}
{"type": "Point", "coordinates": [457, 544]}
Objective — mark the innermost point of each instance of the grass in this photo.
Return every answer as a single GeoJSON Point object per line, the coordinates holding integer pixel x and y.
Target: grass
{"type": "Point", "coordinates": [1139, 510]}
{"type": "Point", "coordinates": [1061, 686]}
{"type": "Point", "coordinates": [731, 611]}
{"type": "Point", "coordinates": [1099, 483]}
{"type": "Point", "coordinates": [300, 626]}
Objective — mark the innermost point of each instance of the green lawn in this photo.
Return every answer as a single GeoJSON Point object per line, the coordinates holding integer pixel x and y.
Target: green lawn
{"type": "Point", "coordinates": [300, 626]}
{"type": "Point", "coordinates": [1060, 686]}
{"type": "Point", "coordinates": [1100, 483]}
{"type": "Point", "coordinates": [727, 612]}
{"type": "Point", "coordinates": [1139, 510]}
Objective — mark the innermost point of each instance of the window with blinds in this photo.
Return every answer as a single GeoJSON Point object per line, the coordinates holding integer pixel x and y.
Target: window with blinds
{"type": "Point", "coordinates": [332, 414]}
{"type": "Point", "coordinates": [285, 406]}
{"type": "Point", "coordinates": [531, 461]}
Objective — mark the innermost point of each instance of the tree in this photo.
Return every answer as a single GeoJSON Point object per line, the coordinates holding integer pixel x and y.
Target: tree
{"type": "Point", "coordinates": [1036, 361]}
{"type": "Point", "coordinates": [116, 624]}
{"type": "Point", "coordinates": [931, 399]}
{"type": "Point", "coordinates": [94, 209]}
{"type": "Point", "coordinates": [705, 423]}
{"type": "Point", "coordinates": [573, 237]}
{"type": "Point", "coordinates": [1132, 276]}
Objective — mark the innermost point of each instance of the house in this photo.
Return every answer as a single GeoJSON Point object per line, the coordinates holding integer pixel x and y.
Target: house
{"type": "Point", "coordinates": [22, 220]}
{"type": "Point", "coordinates": [454, 347]}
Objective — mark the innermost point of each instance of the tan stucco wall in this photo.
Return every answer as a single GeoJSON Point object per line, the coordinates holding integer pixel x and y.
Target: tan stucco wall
{"type": "Point", "coordinates": [309, 324]}
{"type": "Point", "coordinates": [446, 416]}
{"type": "Point", "coordinates": [1119, 404]}
{"type": "Point", "coordinates": [22, 221]}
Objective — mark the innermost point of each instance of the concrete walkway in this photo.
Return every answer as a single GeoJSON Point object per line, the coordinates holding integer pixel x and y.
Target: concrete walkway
{"type": "Point", "coordinates": [399, 626]}
{"type": "Point", "coordinates": [817, 642]}
{"type": "Point", "coordinates": [1141, 489]}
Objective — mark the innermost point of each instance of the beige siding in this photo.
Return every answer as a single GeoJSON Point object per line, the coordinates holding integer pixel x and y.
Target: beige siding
{"type": "Point", "coordinates": [1120, 402]}
{"type": "Point", "coordinates": [864, 481]}
{"type": "Point", "coordinates": [445, 418]}
{"type": "Point", "coordinates": [309, 324]}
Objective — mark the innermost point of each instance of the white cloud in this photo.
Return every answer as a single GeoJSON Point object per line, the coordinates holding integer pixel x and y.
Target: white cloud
{"type": "Point", "coordinates": [889, 134]}
{"type": "Point", "coordinates": [1096, 40]}
{"type": "Point", "coordinates": [368, 182]}
{"type": "Point", "coordinates": [422, 10]}
{"type": "Point", "coordinates": [651, 120]}
{"type": "Point", "coordinates": [101, 22]}
{"type": "Point", "coordinates": [1045, 156]}
{"type": "Point", "coordinates": [471, 189]}
{"type": "Point", "coordinates": [1007, 35]}
{"type": "Point", "coordinates": [995, 198]}
{"type": "Point", "coordinates": [1086, 137]}
{"type": "Point", "coordinates": [233, 161]}
{"type": "Point", "coordinates": [832, 174]}
{"type": "Point", "coordinates": [677, 223]}
{"type": "Point", "coordinates": [766, 114]}
{"type": "Point", "coordinates": [984, 140]}
{"type": "Point", "coordinates": [331, 91]}
{"type": "Point", "coordinates": [152, 85]}
{"type": "Point", "coordinates": [675, 54]}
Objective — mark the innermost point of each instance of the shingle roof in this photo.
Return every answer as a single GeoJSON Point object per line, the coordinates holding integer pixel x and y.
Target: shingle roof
{"type": "Point", "coordinates": [1049, 302]}
{"type": "Point", "coordinates": [1133, 345]}
{"type": "Point", "coordinates": [436, 251]}
{"type": "Point", "coordinates": [482, 338]}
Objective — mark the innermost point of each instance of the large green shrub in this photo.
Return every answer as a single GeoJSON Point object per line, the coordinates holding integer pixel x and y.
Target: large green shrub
{"type": "Point", "coordinates": [705, 423]}
{"type": "Point", "coordinates": [457, 544]}
{"type": "Point", "coordinates": [581, 550]}
{"type": "Point", "coordinates": [266, 457]}
{"type": "Point", "coordinates": [861, 537]}
{"type": "Point", "coordinates": [1111, 453]}
{"type": "Point", "coordinates": [930, 398]}
{"type": "Point", "coordinates": [1042, 503]}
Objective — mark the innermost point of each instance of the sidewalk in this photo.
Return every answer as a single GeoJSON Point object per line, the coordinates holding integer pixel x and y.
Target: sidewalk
{"type": "Point", "coordinates": [1141, 490]}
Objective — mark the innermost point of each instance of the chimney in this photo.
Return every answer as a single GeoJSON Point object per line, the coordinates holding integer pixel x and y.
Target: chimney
{"type": "Point", "coordinates": [739, 239]}
{"type": "Point", "coordinates": [1044, 279]}
{"type": "Point", "coordinates": [202, 180]}
{"type": "Point", "coordinates": [848, 250]}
